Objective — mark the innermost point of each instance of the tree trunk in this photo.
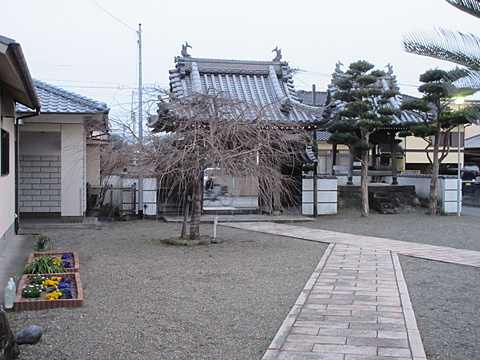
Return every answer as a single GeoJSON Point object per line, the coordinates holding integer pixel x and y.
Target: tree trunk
{"type": "Point", "coordinates": [364, 185]}
{"type": "Point", "coordinates": [197, 189]}
{"type": "Point", "coordinates": [186, 208]}
{"type": "Point", "coordinates": [432, 198]}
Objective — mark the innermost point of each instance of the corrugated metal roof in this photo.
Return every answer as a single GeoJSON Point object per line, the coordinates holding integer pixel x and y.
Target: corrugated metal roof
{"type": "Point", "coordinates": [266, 84]}
{"type": "Point", "coordinates": [472, 142]}
{"type": "Point", "coordinates": [56, 100]}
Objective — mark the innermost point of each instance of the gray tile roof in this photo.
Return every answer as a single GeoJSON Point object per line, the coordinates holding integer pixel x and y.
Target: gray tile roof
{"type": "Point", "coordinates": [267, 84]}
{"type": "Point", "coordinates": [306, 97]}
{"type": "Point", "coordinates": [323, 135]}
{"type": "Point", "coordinates": [56, 100]}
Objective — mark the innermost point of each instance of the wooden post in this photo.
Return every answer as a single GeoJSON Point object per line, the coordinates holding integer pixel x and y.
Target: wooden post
{"type": "Point", "coordinates": [334, 158]}
{"type": "Point", "coordinates": [393, 153]}
{"type": "Point", "coordinates": [315, 175]}
{"type": "Point", "coordinates": [315, 164]}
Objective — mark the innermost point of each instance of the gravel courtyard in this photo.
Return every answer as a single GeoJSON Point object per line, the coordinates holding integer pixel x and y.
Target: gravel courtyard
{"type": "Point", "coordinates": [147, 300]}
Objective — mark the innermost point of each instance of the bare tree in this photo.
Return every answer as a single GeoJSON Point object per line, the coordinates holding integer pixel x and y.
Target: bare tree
{"type": "Point", "coordinates": [214, 131]}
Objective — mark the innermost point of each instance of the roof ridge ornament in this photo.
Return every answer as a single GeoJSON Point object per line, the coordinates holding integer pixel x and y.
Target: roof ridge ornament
{"type": "Point", "coordinates": [390, 69]}
{"type": "Point", "coordinates": [279, 54]}
{"type": "Point", "coordinates": [185, 50]}
{"type": "Point", "coordinates": [337, 67]}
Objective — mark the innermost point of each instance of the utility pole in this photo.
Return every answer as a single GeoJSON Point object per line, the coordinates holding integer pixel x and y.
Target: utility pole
{"type": "Point", "coordinates": [315, 164]}
{"type": "Point", "coordinates": [140, 124]}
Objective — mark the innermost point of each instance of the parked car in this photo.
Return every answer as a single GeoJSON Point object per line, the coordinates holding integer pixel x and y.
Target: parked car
{"type": "Point", "coordinates": [470, 171]}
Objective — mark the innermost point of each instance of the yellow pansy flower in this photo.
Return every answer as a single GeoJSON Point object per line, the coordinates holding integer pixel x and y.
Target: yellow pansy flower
{"type": "Point", "coordinates": [53, 295]}
{"type": "Point", "coordinates": [50, 282]}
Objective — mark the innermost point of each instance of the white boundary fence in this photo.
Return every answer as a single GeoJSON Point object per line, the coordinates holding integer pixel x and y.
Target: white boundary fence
{"type": "Point", "coordinates": [326, 196]}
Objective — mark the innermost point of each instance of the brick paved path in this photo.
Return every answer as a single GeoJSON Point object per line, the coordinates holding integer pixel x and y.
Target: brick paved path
{"type": "Point", "coordinates": [356, 305]}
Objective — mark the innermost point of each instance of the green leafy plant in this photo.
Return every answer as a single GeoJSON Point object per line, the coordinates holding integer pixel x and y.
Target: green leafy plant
{"type": "Point", "coordinates": [42, 243]}
{"type": "Point", "coordinates": [33, 291]}
{"type": "Point", "coordinates": [37, 280]}
{"type": "Point", "coordinates": [45, 264]}
{"type": "Point", "coordinates": [441, 212]}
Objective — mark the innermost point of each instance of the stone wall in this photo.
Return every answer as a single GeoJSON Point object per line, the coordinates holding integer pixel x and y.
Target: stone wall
{"type": "Point", "coordinates": [40, 187]}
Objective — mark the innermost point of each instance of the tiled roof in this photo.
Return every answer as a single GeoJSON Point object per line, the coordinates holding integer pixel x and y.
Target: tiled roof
{"type": "Point", "coordinates": [56, 100]}
{"type": "Point", "coordinates": [472, 142]}
{"type": "Point", "coordinates": [323, 135]}
{"type": "Point", "coordinates": [267, 84]}
{"type": "Point", "coordinates": [306, 97]}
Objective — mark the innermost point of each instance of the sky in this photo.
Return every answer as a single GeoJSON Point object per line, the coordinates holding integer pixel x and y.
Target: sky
{"type": "Point", "coordinates": [90, 46]}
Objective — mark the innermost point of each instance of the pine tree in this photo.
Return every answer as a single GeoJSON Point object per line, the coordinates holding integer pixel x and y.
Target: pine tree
{"type": "Point", "coordinates": [438, 121]}
{"type": "Point", "coordinates": [364, 108]}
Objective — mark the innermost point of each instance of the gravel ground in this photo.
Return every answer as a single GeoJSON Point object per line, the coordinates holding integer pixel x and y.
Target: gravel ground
{"type": "Point", "coordinates": [445, 297]}
{"type": "Point", "coordinates": [146, 300]}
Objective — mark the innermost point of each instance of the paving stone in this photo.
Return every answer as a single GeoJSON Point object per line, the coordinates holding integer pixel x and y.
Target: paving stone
{"type": "Point", "coordinates": [318, 339]}
{"type": "Point", "coordinates": [345, 349]}
{"type": "Point", "coordinates": [309, 356]}
{"type": "Point", "coordinates": [362, 357]}
{"type": "Point", "coordinates": [394, 352]}
{"type": "Point", "coordinates": [394, 343]}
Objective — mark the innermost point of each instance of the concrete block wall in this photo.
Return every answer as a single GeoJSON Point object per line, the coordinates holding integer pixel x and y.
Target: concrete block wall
{"type": "Point", "coordinates": [40, 184]}
{"type": "Point", "coordinates": [447, 191]}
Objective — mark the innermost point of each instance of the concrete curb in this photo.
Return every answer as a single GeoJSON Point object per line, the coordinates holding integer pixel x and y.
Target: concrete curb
{"type": "Point", "coordinates": [414, 338]}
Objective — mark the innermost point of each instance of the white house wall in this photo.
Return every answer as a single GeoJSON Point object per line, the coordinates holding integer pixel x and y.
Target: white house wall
{"type": "Point", "coordinates": [7, 182]}
{"type": "Point", "coordinates": [73, 170]}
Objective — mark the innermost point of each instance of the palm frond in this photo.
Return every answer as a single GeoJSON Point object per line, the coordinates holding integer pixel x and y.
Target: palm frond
{"type": "Point", "coordinates": [471, 7]}
{"type": "Point", "coordinates": [465, 79]}
{"type": "Point", "coordinates": [454, 46]}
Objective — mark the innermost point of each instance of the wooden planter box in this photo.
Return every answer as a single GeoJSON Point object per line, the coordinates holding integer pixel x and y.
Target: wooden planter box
{"type": "Point", "coordinates": [21, 304]}
{"type": "Point", "coordinates": [75, 262]}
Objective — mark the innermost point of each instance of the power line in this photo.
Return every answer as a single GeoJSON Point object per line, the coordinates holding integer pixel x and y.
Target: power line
{"type": "Point", "coordinates": [83, 66]}
{"type": "Point", "coordinates": [314, 73]}
{"type": "Point", "coordinates": [113, 16]}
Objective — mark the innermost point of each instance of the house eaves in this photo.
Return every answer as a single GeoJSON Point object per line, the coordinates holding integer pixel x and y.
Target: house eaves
{"type": "Point", "coordinates": [15, 75]}
{"type": "Point", "coordinates": [57, 102]}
